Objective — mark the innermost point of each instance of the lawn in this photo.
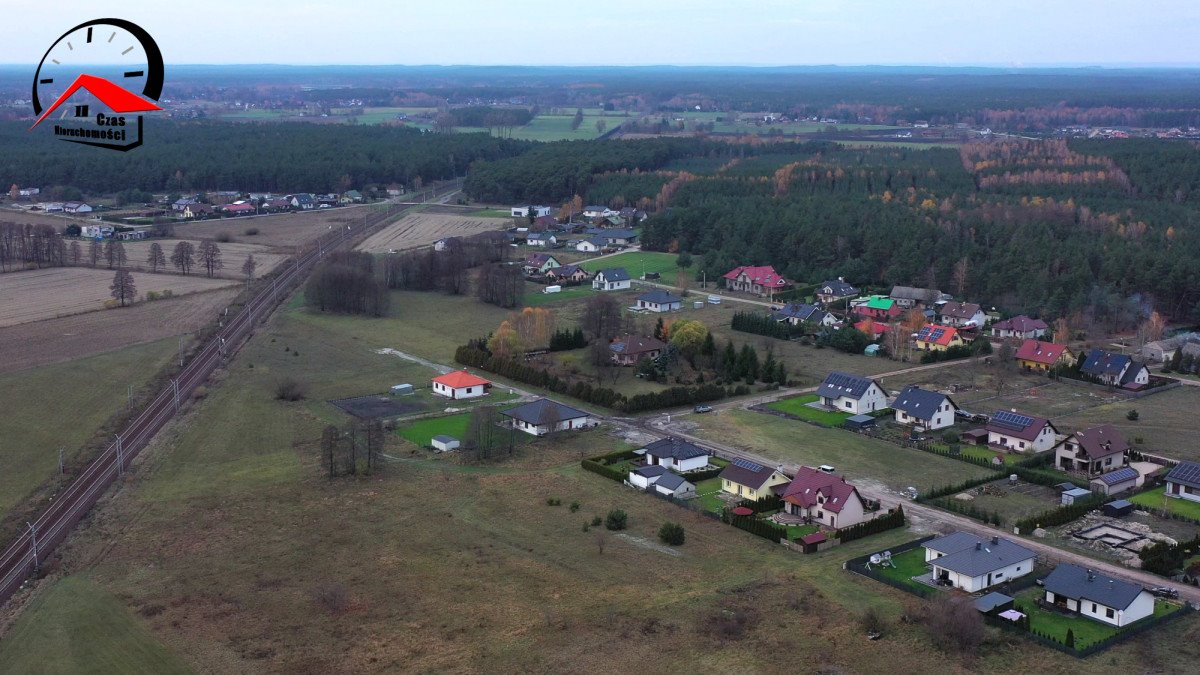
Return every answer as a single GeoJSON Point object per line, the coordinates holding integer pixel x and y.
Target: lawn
{"type": "Point", "coordinates": [907, 565]}
{"type": "Point", "coordinates": [492, 213]}
{"type": "Point", "coordinates": [536, 297]}
{"type": "Point", "coordinates": [1156, 499]}
{"type": "Point", "coordinates": [707, 492]}
{"type": "Point", "coordinates": [76, 626]}
{"type": "Point", "coordinates": [62, 406]}
{"type": "Point", "coordinates": [1166, 421]}
{"type": "Point", "coordinates": [871, 462]}
{"type": "Point", "coordinates": [979, 452]}
{"type": "Point", "coordinates": [638, 263]}
{"type": "Point", "coordinates": [794, 532]}
{"type": "Point", "coordinates": [799, 407]}
{"type": "Point", "coordinates": [421, 431]}
{"type": "Point", "coordinates": [1085, 630]}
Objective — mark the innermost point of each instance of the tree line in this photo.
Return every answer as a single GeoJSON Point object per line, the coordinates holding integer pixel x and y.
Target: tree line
{"type": "Point", "coordinates": [347, 283]}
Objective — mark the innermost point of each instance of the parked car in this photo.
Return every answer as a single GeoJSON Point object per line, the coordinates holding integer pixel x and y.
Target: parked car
{"type": "Point", "coordinates": [1165, 592]}
{"type": "Point", "coordinates": [703, 409]}
{"type": "Point", "coordinates": [826, 468]}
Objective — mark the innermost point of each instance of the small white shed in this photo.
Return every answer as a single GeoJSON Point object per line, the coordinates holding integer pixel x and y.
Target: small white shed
{"type": "Point", "coordinates": [444, 443]}
{"type": "Point", "coordinates": [1074, 494]}
{"type": "Point", "coordinates": [402, 390]}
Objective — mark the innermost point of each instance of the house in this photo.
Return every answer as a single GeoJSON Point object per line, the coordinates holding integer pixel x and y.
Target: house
{"type": "Point", "coordinates": [95, 231]}
{"type": "Point", "coordinates": [542, 239]}
{"type": "Point", "coordinates": [276, 204]}
{"type": "Point", "coordinates": [52, 207]}
{"type": "Point", "coordinates": [936, 338]}
{"type": "Point", "coordinates": [658, 479]}
{"type": "Point", "coordinates": [1020, 433]}
{"type": "Point", "coordinates": [962, 315]}
{"type": "Point", "coordinates": [303, 201]}
{"type": "Point", "coordinates": [872, 328]}
{"type": "Point", "coordinates": [523, 211]}
{"type": "Point", "coordinates": [238, 209]}
{"type": "Point", "coordinates": [182, 203]}
{"type": "Point", "coordinates": [659, 301]}
{"type": "Point", "coordinates": [1115, 369]}
{"type": "Point", "coordinates": [540, 263]}
{"type": "Point", "coordinates": [351, 197]}
{"type": "Point", "coordinates": [837, 289]}
{"type": "Point", "coordinates": [631, 349]}
{"type": "Point", "coordinates": [751, 481]}
{"type": "Point", "coordinates": [592, 245]}
{"type": "Point", "coordinates": [797, 313]}
{"type": "Point", "coordinates": [76, 207]}
{"type": "Point", "coordinates": [930, 409]}
{"type": "Point", "coordinates": [761, 281]}
{"type": "Point", "coordinates": [646, 476]}
{"type": "Point", "coordinates": [568, 273]}
{"type": "Point", "coordinates": [197, 210]}
{"type": "Point", "coordinates": [1093, 451]}
{"type": "Point", "coordinates": [544, 416]}
{"type": "Point", "coordinates": [1020, 327]}
{"type": "Point", "coordinates": [29, 192]}
{"type": "Point", "coordinates": [460, 384]}
{"type": "Point", "coordinates": [1162, 351]}
{"type": "Point", "coordinates": [908, 297]}
{"type": "Point", "coordinates": [675, 454]}
{"type": "Point", "coordinates": [1097, 596]}
{"type": "Point", "coordinates": [1183, 481]}
{"type": "Point", "coordinates": [879, 307]}
{"type": "Point", "coordinates": [443, 443]}
{"type": "Point", "coordinates": [445, 243]}
{"type": "Point", "coordinates": [1115, 481]}
{"type": "Point", "coordinates": [1042, 356]}
{"type": "Point", "coordinates": [611, 279]}
{"type": "Point", "coordinates": [823, 498]}
{"type": "Point", "coordinates": [620, 237]}
{"type": "Point", "coordinates": [594, 211]}
{"type": "Point", "coordinates": [973, 564]}
{"type": "Point", "coordinates": [542, 223]}
{"type": "Point", "coordinates": [852, 393]}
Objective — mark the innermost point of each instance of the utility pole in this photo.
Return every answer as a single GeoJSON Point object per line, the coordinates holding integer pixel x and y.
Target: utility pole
{"type": "Point", "coordinates": [180, 351]}
{"type": "Point", "coordinates": [129, 397]}
{"type": "Point", "coordinates": [62, 466]}
{"type": "Point", "coordinates": [33, 544]}
{"type": "Point", "coordinates": [120, 457]}
{"type": "Point", "coordinates": [175, 386]}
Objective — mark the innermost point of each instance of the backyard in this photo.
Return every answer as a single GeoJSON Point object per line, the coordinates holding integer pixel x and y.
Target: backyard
{"type": "Point", "coordinates": [1055, 625]}
{"type": "Point", "coordinates": [422, 431]}
{"type": "Point", "coordinates": [904, 567]}
{"type": "Point", "coordinates": [1157, 499]}
{"type": "Point", "coordinates": [799, 407]}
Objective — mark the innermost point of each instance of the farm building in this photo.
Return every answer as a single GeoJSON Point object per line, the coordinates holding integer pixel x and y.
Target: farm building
{"type": "Point", "coordinates": [908, 297]}
{"type": "Point", "coordinates": [460, 384]}
{"type": "Point", "coordinates": [544, 416]}
{"type": "Point", "coordinates": [1097, 596]}
{"type": "Point", "coordinates": [972, 564]}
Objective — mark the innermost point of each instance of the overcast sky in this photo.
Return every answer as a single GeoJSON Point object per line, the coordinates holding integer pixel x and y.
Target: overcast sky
{"type": "Point", "coordinates": [633, 32]}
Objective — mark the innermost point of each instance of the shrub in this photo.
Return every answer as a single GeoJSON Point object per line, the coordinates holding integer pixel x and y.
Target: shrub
{"type": "Point", "coordinates": [199, 392]}
{"type": "Point", "coordinates": [954, 624]}
{"type": "Point", "coordinates": [872, 621]}
{"type": "Point", "coordinates": [224, 237]}
{"type": "Point", "coordinates": [616, 520]}
{"type": "Point", "coordinates": [671, 533]}
{"type": "Point", "coordinates": [251, 231]}
{"type": "Point", "coordinates": [596, 521]}
{"type": "Point", "coordinates": [1132, 415]}
{"type": "Point", "coordinates": [574, 507]}
{"type": "Point", "coordinates": [290, 389]}
{"type": "Point", "coordinates": [553, 501]}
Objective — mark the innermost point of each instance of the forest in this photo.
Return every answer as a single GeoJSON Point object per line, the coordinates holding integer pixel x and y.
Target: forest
{"type": "Point", "coordinates": [198, 155]}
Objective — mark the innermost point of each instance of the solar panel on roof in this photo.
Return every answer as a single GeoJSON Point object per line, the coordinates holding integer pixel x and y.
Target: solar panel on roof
{"type": "Point", "coordinates": [748, 465]}
{"type": "Point", "coordinates": [1011, 420]}
{"type": "Point", "coordinates": [1188, 472]}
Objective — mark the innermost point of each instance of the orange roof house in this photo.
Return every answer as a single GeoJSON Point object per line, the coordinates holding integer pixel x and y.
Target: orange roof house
{"type": "Point", "coordinates": [460, 384]}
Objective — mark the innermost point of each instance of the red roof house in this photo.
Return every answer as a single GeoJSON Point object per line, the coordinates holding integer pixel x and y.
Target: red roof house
{"type": "Point", "coordinates": [824, 498]}
{"type": "Point", "coordinates": [1038, 355]}
{"type": "Point", "coordinates": [762, 280]}
{"type": "Point", "coordinates": [874, 329]}
{"type": "Point", "coordinates": [460, 384]}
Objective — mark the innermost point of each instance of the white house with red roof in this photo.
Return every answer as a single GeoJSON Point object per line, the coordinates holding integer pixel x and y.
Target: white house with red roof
{"type": "Point", "coordinates": [460, 384]}
{"type": "Point", "coordinates": [1018, 432]}
{"type": "Point", "coordinates": [763, 281]}
{"type": "Point", "coordinates": [824, 498]}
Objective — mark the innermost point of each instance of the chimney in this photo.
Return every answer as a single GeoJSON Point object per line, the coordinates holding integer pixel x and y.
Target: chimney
{"type": "Point", "coordinates": [995, 541]}
{"type": "Point", "coordinates": [1091, 575]}
{"type": "Point", "coordinates": [979, 546]}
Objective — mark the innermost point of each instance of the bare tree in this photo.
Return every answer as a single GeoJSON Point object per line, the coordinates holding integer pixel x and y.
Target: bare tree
{"type": "Point", "coordinates": [184, 256]}
{"type": "Point", "coordinates": [601, 538]}
{"type": "Point", "coordinates": [156, 259]}
{"type": "Point", "coordinates": [210, 257]}
{"type": "Point", "coordinates": [114, 254]}
{"type": "Point", "coordinates": [76, 253]}
{"type": "Point", "coordinates": [954, 624]}
{"type": "Point", "coordinates": [122, 287]}
{"type": "Point", "coordinates": [95, 251]}
{"type": "Point", "coordinates": [249, 267]}
{"type": "Point", "coordinates": [601, 317]}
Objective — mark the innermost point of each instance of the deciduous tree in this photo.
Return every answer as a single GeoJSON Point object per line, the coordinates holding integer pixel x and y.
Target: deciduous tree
{"type": "Point", "coordinates": [210, 257]}
{"type": "Point", "coordinates": [183, 257]}
{"type": "Point", "coordinates": [156, 259]}
{"type": "Point", "coordinates": [122, 287]}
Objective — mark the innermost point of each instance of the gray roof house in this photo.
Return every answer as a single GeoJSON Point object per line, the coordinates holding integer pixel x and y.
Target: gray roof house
{"type": "Point", "coordinates": [611, 279]}
{"type": "Point", "coordinates": [796, 313]}
{"type": "Point", "coordinates": [933, 409]}
{"type": "Point", "coordinates": [972, 564]}
{"type": "Point", "coordinates": [1183, 481]}
{"type": "Point", "coordinates": [1097, 596]}
{"type": "Point", "coordinates": [544, 416]}
{"type": "Point", "coordinates": [676, 453]}
{"type": "Point", "coordinates": [852, 393]}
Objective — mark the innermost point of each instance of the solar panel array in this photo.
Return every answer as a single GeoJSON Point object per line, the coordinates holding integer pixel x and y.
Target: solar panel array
{"type": "Point", "coordinates": [931, 333]}
{"type": "Point", "coordinates": [1011, 420]}
{"type": "Point", "coordinates": [748, 465]}
{"type": "Point", "coordinates": [1186, 472]}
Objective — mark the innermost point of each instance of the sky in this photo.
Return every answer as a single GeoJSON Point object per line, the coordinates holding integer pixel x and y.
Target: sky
{"type": "Point", "coordinates": [634, 32]}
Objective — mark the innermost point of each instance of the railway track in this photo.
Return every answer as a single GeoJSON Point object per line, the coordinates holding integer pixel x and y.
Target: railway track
{"type": "Point", "coordinates": [21, 558]}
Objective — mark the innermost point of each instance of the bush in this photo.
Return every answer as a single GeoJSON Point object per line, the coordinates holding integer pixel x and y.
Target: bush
{"type": "Point", "coordinates": [1132, 415]}
{"type": "Point", "coordinates": [872, 621]}
{"type": "Point", "coordinates": [251, 231]}
{"type": "Point", "coordinates": [596, 521]}
{"type": "Point", "coordinates": [224, 237]}
{"type": "Point", "coordinates": [874, 526]}
{"type": "Point", "coordinates": [199, 392]}
{"type": "Point", "coordinates": [616, 520]}
{"type": "Point", "coordinates": [290, 389]}
{"type": "Point", "coordinates": [574, 507]}
{"type": "Point", "coordinates": [671, 533]}
{"type": "Point", "coordinates": [553, 501]}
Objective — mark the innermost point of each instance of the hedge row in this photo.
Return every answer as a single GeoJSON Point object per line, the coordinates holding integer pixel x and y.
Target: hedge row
{"type": "Point", "coordinates": [1062, 515]}
{"type": "Point", "coordinates": [959, 487]}
{"type": "Point", "coordinates": [606, 471]}
{"type": "Point", "coordinates": [768, 503]}
{"type": "Point", "coordinates": [881, 524]}
{"type": "Point", "coordinates": [755, 525]}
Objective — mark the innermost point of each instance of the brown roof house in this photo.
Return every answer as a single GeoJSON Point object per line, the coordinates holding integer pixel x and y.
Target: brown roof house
{"type": "Point", "coordinates": [628, 350]}
{"type": "Point", "coordinates": [1093, 451]}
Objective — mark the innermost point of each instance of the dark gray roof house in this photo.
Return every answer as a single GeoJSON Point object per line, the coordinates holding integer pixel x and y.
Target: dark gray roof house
{"type": "Point", "coordinates": [1100, 363]}
{"type": "Point", "coordinates": [1078, 583]}
{"type": "Point", "coordinates": [676, 448]}
{"type": "Point", "coordinates": [543, 411]}
{"type": "Point", "coordinates": [839, 384]}
{"type": "Point", "coordinates": [837, 288]}
{"type": "Point", "coordinates": [1185, 473]}
{"type": "Point", "coordinates": [651, 471]}
{"type": "Point", "coordinates": [1118, 476]}
{"type": "Point", "coordinates": [972, 556]}
{"type": "Point", "coordinates": [798, 312]}
{"type": "Point", "coordinates": [920, 403]}
{"type": "Point", "coordinates": [659, 297]}
{"type": "Point", "coordinates": [614, 274]}
{"type": "Point", "coordinates": [671, 481]}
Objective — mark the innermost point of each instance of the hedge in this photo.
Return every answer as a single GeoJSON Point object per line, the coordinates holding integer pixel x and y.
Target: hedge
{"type": "Point", "coordinates": [959, 487]}
{"type": "Point", "coordinates": [1062, 515]}
{"type": "Point", "coordinates": [763, 505]}
{"type": "Point", "coordinates": [881, 524]}
{"type": "Point", "coordinates": [606, 471]}
{"type": "Point", "coordinates": [757, 526]}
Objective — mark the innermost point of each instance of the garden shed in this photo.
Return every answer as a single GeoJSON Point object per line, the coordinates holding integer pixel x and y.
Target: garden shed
{"type": "Point", "coordinates": [860, 422]}
{"type": "Point", "coordinates": [1070, 496]}
{"type": "Point", "coordinates": [1118, 508]}
{"type": "Point", "coordinates": [444, 443]}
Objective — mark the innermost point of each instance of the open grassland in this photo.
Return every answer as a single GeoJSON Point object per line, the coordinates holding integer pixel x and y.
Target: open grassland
{"type": "Point", "coordinates": [233, 255]}
{"type": "Point", "coordinates": [1166, 421]}
{"type": "Point", "coordinates": [61, 291]}
{"type": "Point", "coordinates": [41, 343]}
{"type": "Point", "coordinates": [423, 229]}
{"type": "Point", "coordinates": [62, 406]}
{"type": "Point", "coordinates": [637, 263]}
{"type": "Point", "coordinates": [235, 553]}
{"type": "Point", "coordinates": [860, 458]}
{"type": "Point", "coordinates": [558, 128]}
{"type": "Point", "coordinates": [75, 626]}
{"type": "Point", "coordinates": [281, 229]}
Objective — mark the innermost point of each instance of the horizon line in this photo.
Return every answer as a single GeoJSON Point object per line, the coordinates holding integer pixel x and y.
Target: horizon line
{"type": "Point", "coordinates": [1115, 65]}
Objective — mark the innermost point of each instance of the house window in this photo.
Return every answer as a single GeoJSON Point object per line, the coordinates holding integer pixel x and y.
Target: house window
{"type": "Point", "coordinates": [1108, 613]}
{"type": "Point", "coordinates": [847, 404]}
{"type": "Point", "coordinates": [1022, 445]}
{"type": "Point", "coordinates": [1018, 568]}
{"type": "Point", "coordinates": [470, 389]}
{"type": "Point", "coordinates": [1093, 608]}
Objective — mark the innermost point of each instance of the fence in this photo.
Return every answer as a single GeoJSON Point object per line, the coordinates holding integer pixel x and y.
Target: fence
{"type": "Point", "coordinates": [859, 566]}
{"type": "Point", "coordinates": [1120, 636]}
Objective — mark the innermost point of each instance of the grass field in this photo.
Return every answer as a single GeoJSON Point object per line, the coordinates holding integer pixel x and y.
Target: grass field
{"type": "Point", "coordinates": [638, 263]}
{"type": "Point", "coordinates": [63, 405]}
{"type": "Point", "coordinates": [1016, 502]}
{"type": "Point", "coordinates": [75, 626]}
{"type": "Point", "coordinates": [858, 457]}
{"type": "Point", "coordinates": [422, 229]}
{"type": "Point", "coordinates": [536, 297]}
{"type": "Point", "coordinates": [1166, 421]}
{"type": "Point", "coordinates": [799, 407]}
{"type": "Point", "coordinates": [1156, 499]}
{"type": "Point", "coordinates": [280, 230]}
{"type": "Point", "coordinates": [240, 555]}
{"type": "Point", "coordinates": [420, 432]}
